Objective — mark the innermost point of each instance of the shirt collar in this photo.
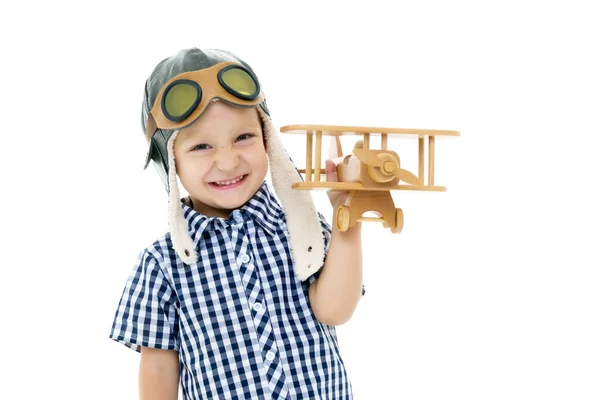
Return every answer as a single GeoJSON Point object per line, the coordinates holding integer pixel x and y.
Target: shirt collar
{"type": "Point", "coordinates": [263, 208]}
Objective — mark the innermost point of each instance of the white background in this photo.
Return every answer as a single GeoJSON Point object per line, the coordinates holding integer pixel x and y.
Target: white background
{"type": "Point", "coordinates": [490, 292]}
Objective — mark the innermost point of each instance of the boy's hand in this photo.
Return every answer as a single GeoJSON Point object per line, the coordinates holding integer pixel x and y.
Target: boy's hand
{"type": "Point", "coordinates": [336, 197]}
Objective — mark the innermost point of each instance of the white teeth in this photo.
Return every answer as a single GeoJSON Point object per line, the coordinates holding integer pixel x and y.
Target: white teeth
{"type": "Point", "coordinates": [226, 183]}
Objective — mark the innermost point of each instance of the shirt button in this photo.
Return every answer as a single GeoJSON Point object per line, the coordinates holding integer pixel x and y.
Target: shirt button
{"type": "Point", "coordinates": [245, 258]}
{"type": "Point", "coordinates": [257, 306]}
{"type": "Point", "coordinates": [237, 216]}
{"type": "Point", "coordinates": [270, 356]}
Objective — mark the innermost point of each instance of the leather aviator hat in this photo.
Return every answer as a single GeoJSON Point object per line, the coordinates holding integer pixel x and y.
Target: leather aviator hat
{"type": "Point", "coordinates": [176, 95]}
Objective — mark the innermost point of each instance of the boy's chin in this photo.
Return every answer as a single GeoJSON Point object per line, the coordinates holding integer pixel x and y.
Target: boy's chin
{"type": "Point", "coordinates": [235, 201]}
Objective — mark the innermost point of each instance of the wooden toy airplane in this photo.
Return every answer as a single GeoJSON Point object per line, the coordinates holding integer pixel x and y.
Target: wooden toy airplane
{"type": "Point", "coordinates": [367, 174]}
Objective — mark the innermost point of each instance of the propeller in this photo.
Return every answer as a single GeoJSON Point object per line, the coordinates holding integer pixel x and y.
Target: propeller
{"type": "Point", "coordinates": [386, 164]}
{"type": "Point", "coordinates": [368, 157]}
{"type": "Point", "coordinates": [407, 176]}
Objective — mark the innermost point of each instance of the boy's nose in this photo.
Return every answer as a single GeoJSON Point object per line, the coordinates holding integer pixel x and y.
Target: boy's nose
{"type": "Point", "coordinates": [226, 159]}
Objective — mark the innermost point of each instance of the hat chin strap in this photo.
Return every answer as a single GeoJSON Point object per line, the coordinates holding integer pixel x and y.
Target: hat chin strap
{"type": "Point", "coordinates": [180, 236]}
{"type": "Point", "coordinates": [305, 234]}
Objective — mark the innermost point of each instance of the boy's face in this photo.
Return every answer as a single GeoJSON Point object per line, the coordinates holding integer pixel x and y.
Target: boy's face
{"type": "Point", "coordinates": [211, 155]}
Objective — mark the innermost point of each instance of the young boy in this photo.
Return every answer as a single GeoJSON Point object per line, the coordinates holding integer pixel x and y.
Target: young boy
{"type": "Point", "coordinates": [238, 300]}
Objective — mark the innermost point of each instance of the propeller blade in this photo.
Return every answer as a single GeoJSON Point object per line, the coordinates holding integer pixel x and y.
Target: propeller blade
{"type": "Point", "coordinates": [407, 176]}
{"type": "Point", "coordinates": [368, 157]}
{"type": "Point", "coordinates": [338, 145]}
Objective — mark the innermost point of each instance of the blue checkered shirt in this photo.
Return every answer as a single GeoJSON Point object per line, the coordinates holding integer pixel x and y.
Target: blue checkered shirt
{"type": "Point", "coordinates": [239, 318]}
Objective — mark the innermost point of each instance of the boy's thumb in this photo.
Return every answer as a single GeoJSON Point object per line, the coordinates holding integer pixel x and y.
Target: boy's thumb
{"type": "Point", "coordinates": [330, 171]}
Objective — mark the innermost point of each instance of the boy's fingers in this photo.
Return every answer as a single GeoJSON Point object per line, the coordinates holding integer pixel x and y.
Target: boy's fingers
{"type": "Point", "coordinates": [330, 171]}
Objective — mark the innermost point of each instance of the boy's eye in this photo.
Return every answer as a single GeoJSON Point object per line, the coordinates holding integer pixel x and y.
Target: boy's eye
{"type": "Point", "coordinates": [244, 136]}
{"type": "Point", "coordinates": [200, 147]}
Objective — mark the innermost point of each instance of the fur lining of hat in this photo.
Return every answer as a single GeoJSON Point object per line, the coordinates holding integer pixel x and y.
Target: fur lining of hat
{"type": "Point", "coordinates": [180, 236]}
{"type": "Point", "coordinates": [307, 243]}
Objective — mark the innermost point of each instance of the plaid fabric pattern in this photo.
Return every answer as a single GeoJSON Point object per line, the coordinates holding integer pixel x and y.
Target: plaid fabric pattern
{"type": "Point", "coordinates": [239, 318]}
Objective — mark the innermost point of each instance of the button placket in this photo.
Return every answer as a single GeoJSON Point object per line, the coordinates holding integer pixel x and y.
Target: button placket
{"type": "Point", "coordinates": [255, 296]}
{"type": "Point", "coordinates": [248, 271]}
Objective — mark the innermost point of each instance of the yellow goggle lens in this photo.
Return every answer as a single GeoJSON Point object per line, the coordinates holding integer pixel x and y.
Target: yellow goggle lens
{"type": "Point", "coordinates": [239, 81]}
{"type": "Point", "coordinates": [180, 98]}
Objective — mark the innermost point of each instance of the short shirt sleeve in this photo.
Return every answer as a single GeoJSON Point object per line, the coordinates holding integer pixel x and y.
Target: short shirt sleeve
{"type": "Point", "coordinates": [147, 312]}
{"type": "Point", "coordinates": [326, 228]}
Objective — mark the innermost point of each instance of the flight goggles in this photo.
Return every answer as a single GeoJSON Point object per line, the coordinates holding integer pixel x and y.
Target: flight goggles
{"type": "Point", "coordinates": [184, 97]}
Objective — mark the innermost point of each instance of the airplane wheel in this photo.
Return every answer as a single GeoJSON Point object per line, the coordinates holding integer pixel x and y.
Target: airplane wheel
{"type": "Point", "coordinates": [342, 217]}
{"type": "Point", "coordinates": [399, 221]}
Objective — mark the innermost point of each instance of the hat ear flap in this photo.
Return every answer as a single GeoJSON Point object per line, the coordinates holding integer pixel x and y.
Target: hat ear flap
{"type": "Point", "coordinates": [161, 162]}
{"type": "Point", "coordinates": [180, 236]}
{"type": "Point", "coordinates": [307, 243]}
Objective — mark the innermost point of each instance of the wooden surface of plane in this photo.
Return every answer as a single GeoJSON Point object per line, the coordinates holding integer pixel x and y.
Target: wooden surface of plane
{"type": "Point", "coordinates": [339, 130]}
{"type": "Point", "coordinates": [314, 173]}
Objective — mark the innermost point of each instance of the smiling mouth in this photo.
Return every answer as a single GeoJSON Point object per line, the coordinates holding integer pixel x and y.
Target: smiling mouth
{"type": "Point", "coordinates": [229, 182]}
